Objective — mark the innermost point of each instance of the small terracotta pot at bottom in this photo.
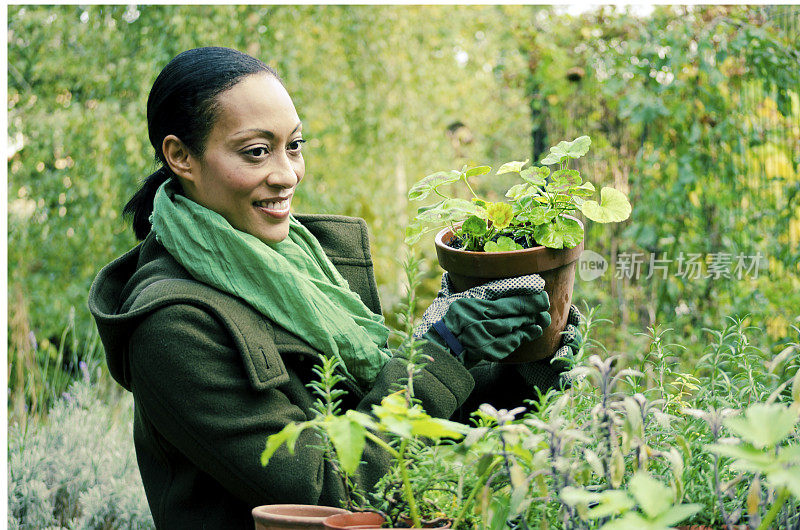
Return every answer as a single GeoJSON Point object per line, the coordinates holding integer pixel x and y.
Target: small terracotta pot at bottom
{"type": "Point", "coordinates": [293, 516]}
{"type": "Point", "coordinates": [348, 521]}
{"type": "Point", "coordinates": [555, 266]}
{"type": "Point", "coordinates": [363, 520]}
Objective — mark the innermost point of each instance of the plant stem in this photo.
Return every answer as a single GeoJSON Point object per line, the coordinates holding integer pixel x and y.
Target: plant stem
{"type": "Point", "coordinates": [716, 486]}
{"type": "Point", "coordinates": [783, 494]}
{"type": "Point", "coordinates": [471, 498]}
{"type": "Point", "coordinates": [388, 448]}
{"type": "Point", "coordinates": [409, 494]}
{"type": "Point", "coordinates": [464, 178]}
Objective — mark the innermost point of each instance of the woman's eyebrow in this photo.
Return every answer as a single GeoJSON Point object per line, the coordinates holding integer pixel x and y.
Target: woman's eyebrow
{"type": "Point", "coordinates": [266, 133]}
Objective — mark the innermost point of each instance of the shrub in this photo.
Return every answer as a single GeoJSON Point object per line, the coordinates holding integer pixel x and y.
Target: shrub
{"type": "Point", "coordinates": [77, 467]}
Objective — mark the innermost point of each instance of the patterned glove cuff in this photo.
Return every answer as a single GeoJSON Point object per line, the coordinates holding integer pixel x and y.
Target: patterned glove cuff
{"type": "Point", "coordinates": [449, 338]}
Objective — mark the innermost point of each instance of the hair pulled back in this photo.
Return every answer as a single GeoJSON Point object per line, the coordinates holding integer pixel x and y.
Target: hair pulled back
{"type": "Point", "coordinates": [183, 102]}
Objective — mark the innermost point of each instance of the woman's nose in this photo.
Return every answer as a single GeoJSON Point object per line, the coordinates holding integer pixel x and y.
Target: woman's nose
{"type": "Point", "coordinates": [282, 174]}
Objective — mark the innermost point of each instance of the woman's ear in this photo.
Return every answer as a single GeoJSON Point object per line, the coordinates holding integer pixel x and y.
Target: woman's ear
{"type": "Point", "coordinates": [178, 157]}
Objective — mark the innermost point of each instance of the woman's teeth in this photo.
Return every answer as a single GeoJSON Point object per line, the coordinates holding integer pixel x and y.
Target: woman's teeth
{"type": "Point", "coordinates": [281, 205]}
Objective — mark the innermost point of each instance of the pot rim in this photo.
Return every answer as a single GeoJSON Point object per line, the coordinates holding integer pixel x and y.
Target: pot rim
{"type": "Point", "coordinates": [440, 243]}
{"type": "Point", "coordinates": [284, 512]}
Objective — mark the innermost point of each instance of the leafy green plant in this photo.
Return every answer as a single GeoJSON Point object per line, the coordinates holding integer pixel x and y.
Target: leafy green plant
{"type": "Point", "coordinates": [538, 208]}
{"type": "Point", "coordinates": [396, 417]}
{"type": "Point", "coordinates": [657, 510]}
{"type": "Point", "coordinates": [398, 424]}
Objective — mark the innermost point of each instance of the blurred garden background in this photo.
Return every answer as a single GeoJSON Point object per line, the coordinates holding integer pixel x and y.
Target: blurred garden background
{"type": "Point", "coordinates": [692, 111]}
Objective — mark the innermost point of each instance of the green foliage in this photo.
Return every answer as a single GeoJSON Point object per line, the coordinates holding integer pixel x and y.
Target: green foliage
{"type": "Point", "coordinates": [693, 112]}
{"type": "Point", "coordinates": [538, 206]}
{"type": "Point", "coordinates": [77, 469]}
{"type": "Point", "coordinates": [374, 116]}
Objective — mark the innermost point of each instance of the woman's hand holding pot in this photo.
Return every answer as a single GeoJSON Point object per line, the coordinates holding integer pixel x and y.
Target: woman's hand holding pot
{"type": "Point", "coordinates": [487, 322]}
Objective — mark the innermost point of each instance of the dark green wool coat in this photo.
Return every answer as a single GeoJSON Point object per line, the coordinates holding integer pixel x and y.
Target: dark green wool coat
{"type": "Point", "coordinates": [212, 378]}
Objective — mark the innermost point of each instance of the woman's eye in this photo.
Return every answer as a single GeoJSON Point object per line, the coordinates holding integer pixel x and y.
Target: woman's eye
{"type": "Point", "coordinates": [296, 145]}
{"type": "Point", "coordinates": [257, 152]}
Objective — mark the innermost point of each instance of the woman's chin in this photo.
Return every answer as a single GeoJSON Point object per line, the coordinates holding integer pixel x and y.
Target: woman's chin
{"type": "Point", "coordinates": [275, 234]}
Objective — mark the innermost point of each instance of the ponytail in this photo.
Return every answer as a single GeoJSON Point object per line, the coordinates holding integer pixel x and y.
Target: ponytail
{"type": "Point", "coordinates": [140, 206]}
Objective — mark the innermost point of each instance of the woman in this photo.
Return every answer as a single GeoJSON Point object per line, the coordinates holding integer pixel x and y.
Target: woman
{"type": "Point", "coordinates": [215, 320]}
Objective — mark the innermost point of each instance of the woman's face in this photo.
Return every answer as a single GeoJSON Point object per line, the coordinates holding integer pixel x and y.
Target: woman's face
{"type": "Point", "coordinates": [252, 161]}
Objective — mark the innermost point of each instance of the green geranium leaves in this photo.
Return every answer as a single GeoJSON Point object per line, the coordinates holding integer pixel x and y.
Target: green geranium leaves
{"type": "Point", "coordinates": [538, 209]}
{"type": "Point", "coordinates": [563, 150]}
{"type": "Point", "coordinates": [564, 179]}
{"type": "Point", "coordinates": [536, 175]}
{"type": "Point", "coordinates": [475, 226]}
{"type": "Point", "coordinates": [612, 208]}
{"type": "Point", "coordinates": [478, 171]}
{"type": "Point", "coordinates": [562, 232]}
{"type": "Point", "coordinates": [424, 187]}
{"type": "Point", "coordinates": [511, 167]}
{"type": "Point", "coordinates": [503, 244]}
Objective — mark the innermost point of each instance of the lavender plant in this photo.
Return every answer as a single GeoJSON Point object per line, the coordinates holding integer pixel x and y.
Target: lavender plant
{"type": "Point", "coordinates": [78, 469]}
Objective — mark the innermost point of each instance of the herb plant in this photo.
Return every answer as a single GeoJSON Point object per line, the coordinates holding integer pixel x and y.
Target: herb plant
{"type": "Point", "coordinates": [537, 212]}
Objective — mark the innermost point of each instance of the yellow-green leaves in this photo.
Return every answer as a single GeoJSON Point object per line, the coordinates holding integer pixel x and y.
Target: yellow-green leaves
{"type": "Point", "coordinates": [348, 438]}
{"type": "Point", "coordinates": [422, 189]}
{"type": "Point", "coordinates": [654, 499]}
{"type": "Point", "coordinates": [398, 417]}
{"type": "Point", "coordinates": [500, 214]}
{"type": "Point", "coordinates": [604, 504]}
{"type": "Point", "coordinates": [511, 167]}
{"type": "Point", "coordinates": [477, 171]}
{"type": "Point", "coordinates": [564, 150]}
{"type": "Point", "coordinates": [763, 425]}
{"type": "Point", "coordinates": [288, 435]}
{"type": "Point", "coordinates": [612, 208]}
{"type": "Point", "coordinates": [761, 433]}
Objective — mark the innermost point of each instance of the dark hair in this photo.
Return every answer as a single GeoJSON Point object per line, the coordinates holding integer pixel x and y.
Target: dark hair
{"type": "Point", "coordinates": [183, 102]}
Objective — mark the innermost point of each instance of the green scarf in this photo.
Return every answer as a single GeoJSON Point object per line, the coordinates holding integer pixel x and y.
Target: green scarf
{"type": "Point", "coordinates": [292, 283]}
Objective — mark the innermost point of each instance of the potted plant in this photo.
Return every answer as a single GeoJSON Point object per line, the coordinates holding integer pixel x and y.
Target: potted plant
{"type": "Point", "coordinates": [533, 232]}
{"type": "Point", "coordinates": [397, 417]}
{"type": "Point", "coordinates": [399, 425]}
{"type": "Point", "coordinates": [293, 516]}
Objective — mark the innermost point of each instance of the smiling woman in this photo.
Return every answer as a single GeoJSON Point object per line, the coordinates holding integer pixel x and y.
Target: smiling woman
{"type": "Point", "coordinates": [217, 319]}
{"type": "Point", "coordinates": [252, 161]}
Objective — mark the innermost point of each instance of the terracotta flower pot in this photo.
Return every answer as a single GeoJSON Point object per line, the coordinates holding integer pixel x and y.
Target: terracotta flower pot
{"type": "Point", "coordinates": [353, 521]}
{"type": "Point", "coordinates": [555, 266]}
{"type": "Point", "coordinates": [293, 516]}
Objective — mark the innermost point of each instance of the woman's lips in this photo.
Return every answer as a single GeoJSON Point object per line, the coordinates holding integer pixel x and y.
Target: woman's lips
{"type": "Point", "coordinates": [278, 209]}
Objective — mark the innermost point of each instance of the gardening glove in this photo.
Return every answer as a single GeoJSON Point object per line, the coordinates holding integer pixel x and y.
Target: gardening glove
{"type": "Point", "coordinates": [553, 371]}
{"type": "Point", "coordinates": [487, 322]}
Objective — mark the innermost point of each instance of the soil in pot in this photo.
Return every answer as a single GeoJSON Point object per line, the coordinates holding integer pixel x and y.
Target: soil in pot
{"type": "Point", "coordinates": [293, 516]}
{"type": "Point", "coordinates": [555, 266]}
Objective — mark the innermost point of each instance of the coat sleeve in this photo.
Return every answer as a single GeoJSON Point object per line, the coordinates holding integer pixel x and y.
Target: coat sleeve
{"type": "Point", "coordinates": [189, 378]}
{"type": "Point", "coordinates": [509, 385]}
